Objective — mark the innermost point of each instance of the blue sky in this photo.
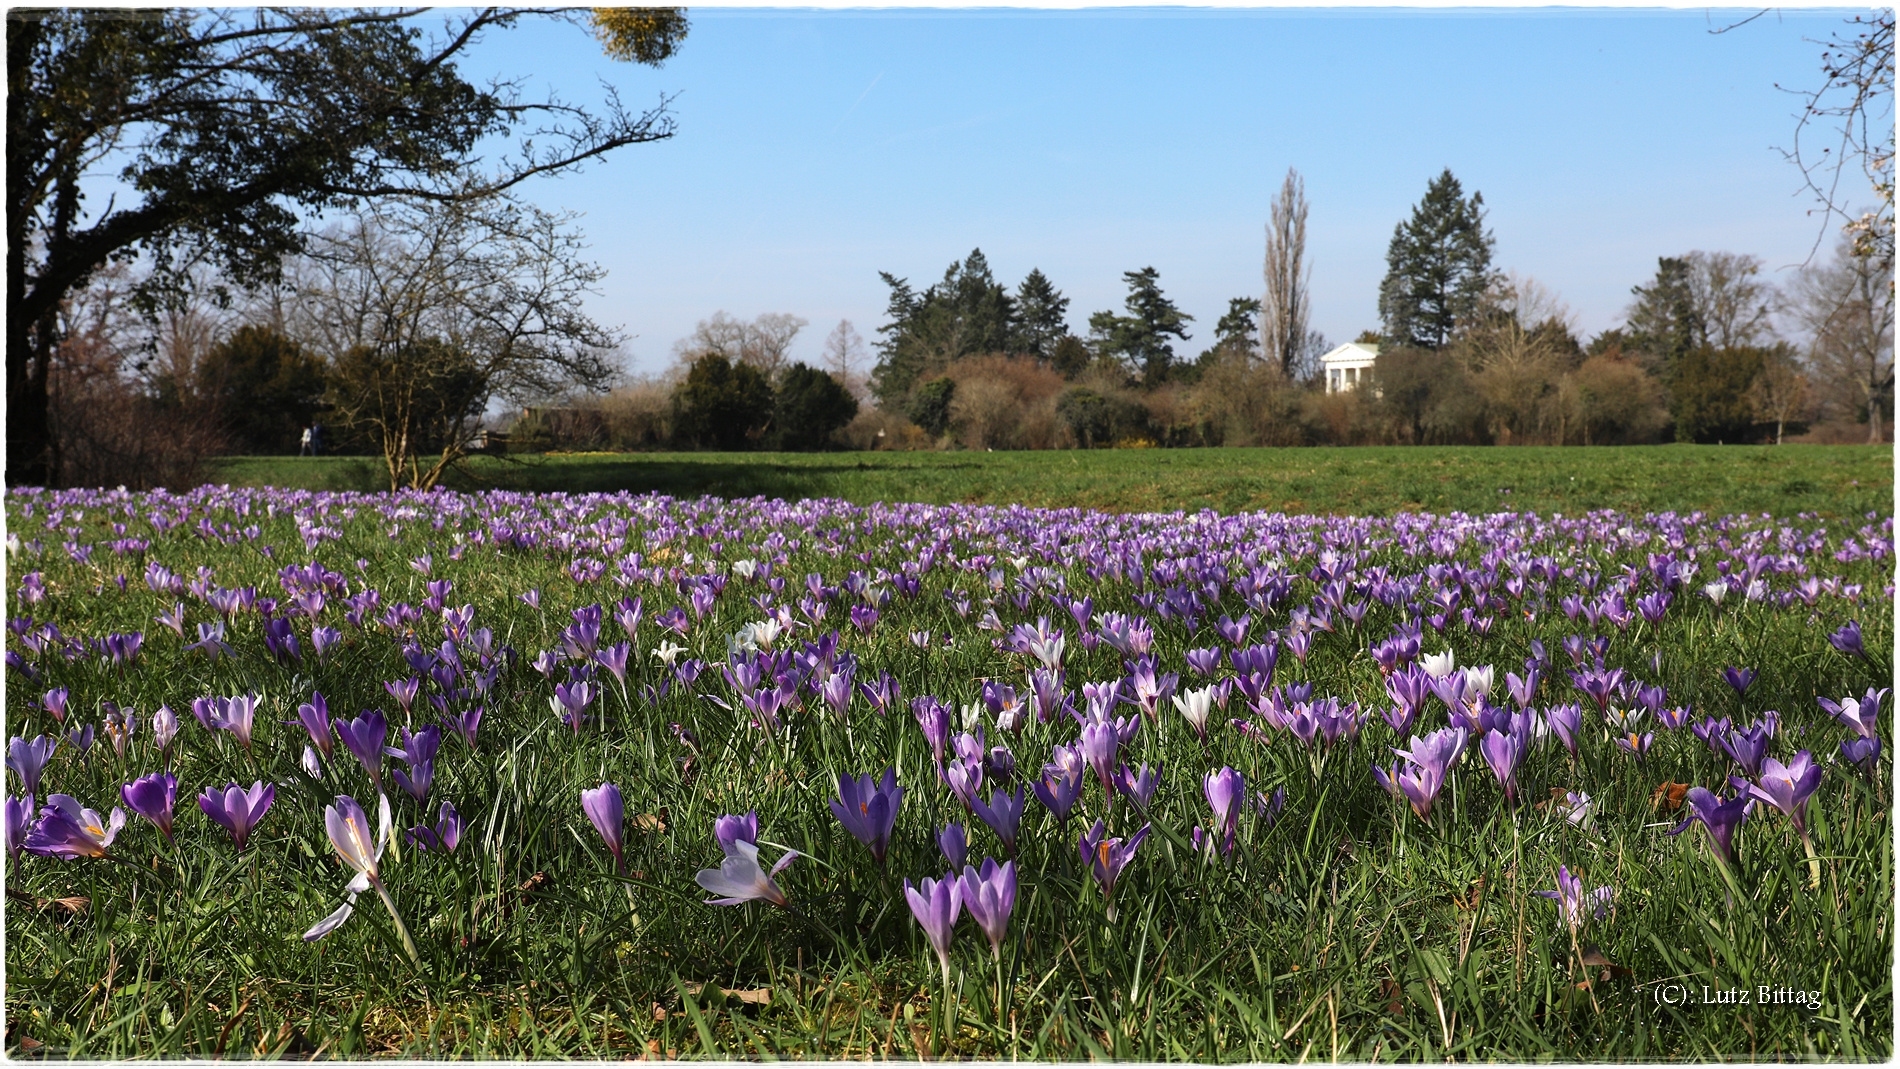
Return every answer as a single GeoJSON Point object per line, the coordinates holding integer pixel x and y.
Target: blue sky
{"type": "Point", "coordinates": [818, 147]}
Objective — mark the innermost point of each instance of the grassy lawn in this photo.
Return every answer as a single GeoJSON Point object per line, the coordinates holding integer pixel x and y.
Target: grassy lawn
{"type": "Point", "coordinates": [1837, 481]}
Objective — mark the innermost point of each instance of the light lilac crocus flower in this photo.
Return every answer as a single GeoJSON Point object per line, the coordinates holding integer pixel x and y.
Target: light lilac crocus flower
{"type": "Point", "coordinates": [936, 905]}
{"type": "Point", "coordinates": [1061, 782]}
{"type": "Point", "coordinates": [28, 759]}
{"type": "Point", "coordinates": [364, 737]}
{"type": "Point", "coordinates": [1862, 715]}
{"type": "Point", "coordinates": [868, 810]}
{"type": "Point", "coordinates": [1431, 759]}
{"type": "Point", "coordinates": [1225, 790]}
{"type": "Point", "coordinates": [238, 810]}
{"type": "Point", "coordinates": [1503, 750]}
{"type": "Point", "coordinates": [1788, 787]}
{"type": "Point", "coordinates": [1003, 814]}
{"type": "Point", "coordinates": [739, 878]}
{"type": "Point", "coordinates": [1138, 784]}
{"type": "Point", "coordinates": [361, 848]}
{"type": "Point", "coordinates": [1576, 907]}
{"type": "Point", "coordinates": [989, 894]}
{"type": "Point", "coordinates": [164, 727]}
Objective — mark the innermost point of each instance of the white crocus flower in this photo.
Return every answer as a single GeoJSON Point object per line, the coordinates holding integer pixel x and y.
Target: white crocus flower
{"type": "Point", "coordinates": [1439, 665]}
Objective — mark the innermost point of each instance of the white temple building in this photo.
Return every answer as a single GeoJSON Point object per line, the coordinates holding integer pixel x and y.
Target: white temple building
{"type": "Point", "coordinates": [1348, 366]}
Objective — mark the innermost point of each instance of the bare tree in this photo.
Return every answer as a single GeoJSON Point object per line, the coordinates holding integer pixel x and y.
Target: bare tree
{"type": "Point", "coordinates": [845, 356]}
{"type": "Point", "coordinates": [1849, 123]}
{"type": "Point", "coordinates": [1846, 309]}
{"type": "Point", "coordinates": [1284, 310]}
{"type": "Point", "coordinates": [1780, 390]}
{"type": "Point", "coordinates": [1730, 299]}
{"type": "Point", "coordinates": [1516, 351]}
{"type": "Point", "coordinates": [763, 343]}
{"type": "Point", "coordinates": [429, 310]}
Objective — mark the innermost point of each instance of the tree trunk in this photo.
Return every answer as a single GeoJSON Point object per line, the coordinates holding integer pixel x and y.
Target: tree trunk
{"type": "Point", "coordinates": [32, 455]}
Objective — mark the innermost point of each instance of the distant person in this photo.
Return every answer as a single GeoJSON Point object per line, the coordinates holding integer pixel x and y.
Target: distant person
{"type": "Point", "coordinates": [306, 449]}
{"type": "Point", "coordinates": [316, 438]}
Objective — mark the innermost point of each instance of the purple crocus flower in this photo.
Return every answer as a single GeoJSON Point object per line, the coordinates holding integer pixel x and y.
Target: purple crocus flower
{"type": "Point", "coordinates": [28, 760]}
{"type": "Point", "coordinates": [238, 810]}
{"type": "Point", "coordinates": [1226, 789]}
{"type": "Point", "coordinates": [869, 810]}
{"type": "Point", "coordinates": [314, 715]}
{"type": "Point", "coordinates": [1503, 750]}
{"type": "Point", "coordinates": [1848, 640]}
{"type": "Point", "coordinates": [404, 691]}
{"type": "Point", "coordinates": [1061, 782]}
{"type": "Point", "coordinates": [1099, 743]}
{"type": "Point", "coordinates": [1004, 815]}
{"type": "Point", "coordinates": [954, 844]}
{"type": "Point", "coordinates": [1431, 759]}
{"type": "Point", "coordinates": [418, 752]}
{"type": "Point", "coordinates": [1863, 754]}
{"type": "Point", "coordinates": [936, 905]}
{"type": "Point", "coordinates": [55, 703]}
{"type": "Point", "coordinates": [729, 829]}
{"type": "Point", "coordinates": [236, 715]}
{"type": "Point", "coordinates": [1719, 816]}
{"type": "Point", "coordinates": [1565, 721]}
{"type": "Point", "coordinates": [990, 894]}
{"type": "Point", "coordinates": [364, 737]}
{"type": "Point", "coordinates": [19, 819]}
{"type": "Point", "coordinates": [444, 836]}
{"type": "Point", "coordinates": [1138, 785]}
{"type": "Point", "coordinates": [934, 719]}
{"type": "Point", "coordinates": [1788, 787]}
{"type": "Point", "coordinates": [1573, 903]}
{"type": "Point", "coordinates": [153, 797]}
{"type": "Point", "coordinates": [608, 814]}
{"type": "Point", "coordinates": [1107, 857]}
{"type": "Point", "coordinates": [1739, 678]}
{"type": "Point", "coordinates": [574, 698]}
{"type": "Point", "coordinates": [69, 830]}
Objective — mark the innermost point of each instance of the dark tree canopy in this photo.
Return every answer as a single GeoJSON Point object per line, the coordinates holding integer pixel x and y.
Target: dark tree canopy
{"type": "Point", "coordinates": [261, 387]}
{"type": "Point", "coordinates": [1437, 267]}
{"type": "Point", "coordinates": [810, 407]}
{"type": "Point", "coordinates": [1041, 316]}
{"type": "Point", "coordinates": [723, 405]}
{"type": "Point", "coordinates": [966, 313]}
{"type": "Point", "coordinates": [1141, 336]}
{"type": "Point", "coordinates": [233, 124]}
{"type": "Point", "coordinates": [1664, 323]}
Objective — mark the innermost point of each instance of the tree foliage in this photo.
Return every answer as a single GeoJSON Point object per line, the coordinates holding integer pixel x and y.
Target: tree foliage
{"type": "Point", "coordinates": [226, 126]}
{"type": "Point", "coordinates": [723, 405]}
{"type": "Point", "coordinates": [647, 35]}
{"type": "Point", "coordinates": [262, 388]}
{"type": "Point", "coordinates": [1140, 338]}
{"type": "Point", "coordinates": [809, 408]}
{"type": "Point", "coordinates": [1437, 267]}
{"type": "Point", "coordinates": [967, 312]}
{"type": "Point", "coordinates": [1041, 316]}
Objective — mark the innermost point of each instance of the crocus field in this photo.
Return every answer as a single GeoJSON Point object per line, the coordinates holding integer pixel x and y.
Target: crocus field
{"type": "Point", "coordinates": [514, 775]}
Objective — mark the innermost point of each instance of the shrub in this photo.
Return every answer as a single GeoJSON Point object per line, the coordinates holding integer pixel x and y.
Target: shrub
{"type": "Point", "coordinates": [811, 407]}
{"type": "Point", "coordinates": [929, 405]}
{"type": "Point", "coordinates": [722, 405]}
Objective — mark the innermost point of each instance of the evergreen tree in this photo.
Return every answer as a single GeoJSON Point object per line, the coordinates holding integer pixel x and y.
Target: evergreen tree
{"type": "Point", "coordinates": [722, 404]}
{"type": "Point", "coordinates": [967, 312]}
{"type": "Point", "coordinates": [1041, 316]}
{"type": "Point", "coordinates": [810, 406]}
{"type": "Point", "coordinates": [1141, 337]}
{"type": "Point", "coordinates": [1664, 324]}
{"type": "Point", "coordinates": [1437, 267]}
{"type": "Point", "coordinates": [263, 387]}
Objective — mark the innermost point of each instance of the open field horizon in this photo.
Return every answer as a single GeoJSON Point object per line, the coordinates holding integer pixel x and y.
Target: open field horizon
{"type": "Point", "coordinates": [1838, 481]}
